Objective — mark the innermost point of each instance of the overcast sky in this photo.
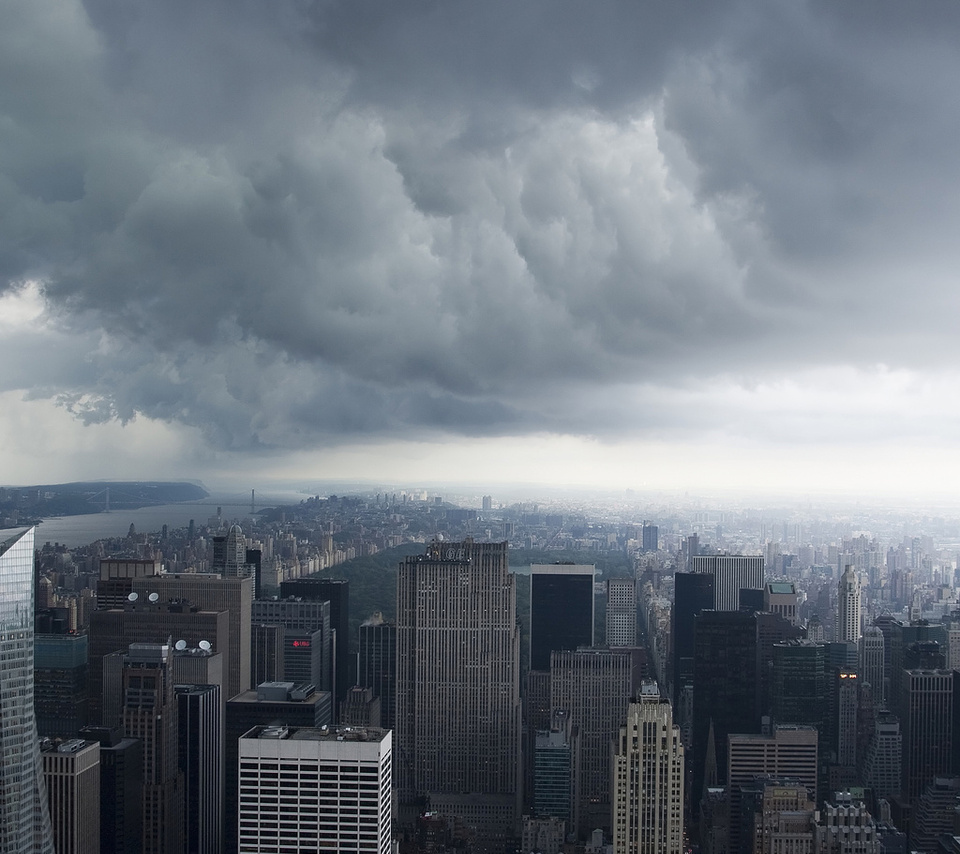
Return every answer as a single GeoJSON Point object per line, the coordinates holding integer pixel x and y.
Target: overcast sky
{"type": "Point", "coordinates": [643, 244]}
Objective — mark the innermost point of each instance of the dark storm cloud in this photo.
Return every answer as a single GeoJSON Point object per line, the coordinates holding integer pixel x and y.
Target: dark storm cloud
{"type": "Point", "coordinates": [287, 222]}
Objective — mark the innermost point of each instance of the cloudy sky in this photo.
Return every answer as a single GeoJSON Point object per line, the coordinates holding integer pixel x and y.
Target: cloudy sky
{"type": "Point", "coordinates": [643, 244]}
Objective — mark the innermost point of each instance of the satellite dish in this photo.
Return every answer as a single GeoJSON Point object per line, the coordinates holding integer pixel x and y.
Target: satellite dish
{"type": "Point", "coordinates": [154, 597]}
{"type": "Point", "coordinates": [132, 597]}
{"type": "Point", "coordinates": [204, 645]}
{"type": "Point", "coordinates": [180, 645]}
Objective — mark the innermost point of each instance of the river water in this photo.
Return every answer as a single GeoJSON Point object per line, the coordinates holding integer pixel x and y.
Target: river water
{"type": "Point", "coordinates": [73, 531]}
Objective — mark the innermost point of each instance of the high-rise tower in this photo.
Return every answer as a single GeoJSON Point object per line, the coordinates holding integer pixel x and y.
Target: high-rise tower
{"type": "Point", "coordinates": [561, 609]}
{"type": "Point", "coordinates": [848, 607]}
{"type": "Point", "coordinates": [458, 681]}
{"type": "Point", "coordinates": [648, 779]}
{"type": "Point", "coordinates": [731, 574]}
{"type": "Point", "coordinates": [24, 814]}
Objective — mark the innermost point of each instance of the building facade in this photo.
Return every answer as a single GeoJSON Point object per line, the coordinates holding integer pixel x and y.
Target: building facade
{"type": "Point", "coordinates": [315, 789]}
{"type": "Point", "coordinates": [621, 623]}
{"type": "Point", "coordinates": [848, 607]}
{"type": "Point", "coordinates": [731, 573]}
{"type": "Point", "coordinates": [648, 779]}
{"type": "Point", "coordinates": [561, 610]}
{"type": "Point", "coordinates": [458, 678]}
{"type": "Point", "coordinates": [24, 813]}
{"type": "Point", "coordinates": [71, 769]}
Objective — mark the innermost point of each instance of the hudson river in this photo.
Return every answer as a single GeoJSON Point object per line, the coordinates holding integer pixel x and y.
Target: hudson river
{"type": "Point", "coordinates": [73, 531]}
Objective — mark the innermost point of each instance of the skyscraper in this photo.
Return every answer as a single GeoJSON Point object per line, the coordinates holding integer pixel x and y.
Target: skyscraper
{"type": "Point", "coordinates": [561, 609]}
{"type": "Point", "coordinates": [24, 813]}
{"type": "Point", "coordinates": [348, 809]}
{"type": "Point", "coordinates": [336, 591]}
{"type": "Point", "coordinates": [693, 593]}
{"type": "Point", "coordinates": [150, 714]}
{"type": "Point", "coordinates": [378, 664]}
{"type": "Point", "coordinates": [926, 703]}
{"type": "Point", "coordinates": [848, 607]}
{"type": "Point", "coordinates": [731, 573]}
{"type": "Point", "coordinates": [458, 679]}
{"type": "Point", "coordinates": [593, 687]}
{"type": "Point", "coordinates": [71, 769]}
{"type": "Point", "coordinates": [200, 759]}
{"type": "Point", "coordinates": [621, 622]}
{"type": "Point", "coordinates": [648, 779]}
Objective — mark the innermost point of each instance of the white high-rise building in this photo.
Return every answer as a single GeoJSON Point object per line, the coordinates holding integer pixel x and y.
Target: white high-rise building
{"type": "Point", "coordinates": [731, 574]}
{"type": "Point", "coordinates": [848, 609]}
{"type": "Point", "coordinates": [648, 779]}
{"type": "Point", "coordinates": [24, 812]}
{"type": "Point", "coordinates": [315, 789]}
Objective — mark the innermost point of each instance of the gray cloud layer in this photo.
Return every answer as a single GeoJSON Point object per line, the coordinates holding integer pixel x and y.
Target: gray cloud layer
{"type": "Point", "coordinates": [288, 223]}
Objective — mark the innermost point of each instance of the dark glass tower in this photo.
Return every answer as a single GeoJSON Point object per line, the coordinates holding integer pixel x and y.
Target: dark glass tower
{"type": "Point", "coordinates": [693, 593]}
{"type": "Point", "coordinates": [725, 688]}
{"type": "Point", "coordinates": [561, 610]}
{"type": "Point", "coordinates": [378, 665]}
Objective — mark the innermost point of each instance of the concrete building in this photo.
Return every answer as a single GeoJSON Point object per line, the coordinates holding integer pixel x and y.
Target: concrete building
{"type": "Point", "coordinates": [458, 681]}
{"type": "Point", "coordinates": [789, 753]}
{"type": "Point", "coordinates": [593, 687]}
{"type": "Point", "coordinates": [332, 792]}
{"type": "Point", "coordinates": [210, 592]}
{"type": "Point", "coordinates": [848, 607]}
{"type": "Point", "coordinates": [648, 779]}
{"type": "Point", "coordinates": [71, 769]}
{"type": "Point", "coordinates": [149, 713]}
{"type": "Point", "coordinates": [621, 622]}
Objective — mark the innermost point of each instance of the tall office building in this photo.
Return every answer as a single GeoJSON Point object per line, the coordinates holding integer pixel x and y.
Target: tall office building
{"type": "Point", "coordinates": [927, 705]}
{"type": "Point", "coordinates": [200, 759]}
{"type": "Point", "coordinates": [336, 591]}
{"type": "Point", "coordinates": [378, 664]}
{"type": "Point", "coordinates": [150, 714]}
{"type": "Point", "coordinates": [848, 607]}
{"type": "Point", "coordinates": [621, 622]}
{"type": "Point", "coordinates": [556, 760]}
{"type": "Point", "coordinates": [143, 621]}
{"type": "Point", "coordinates": [60, 683]}
{"type": "Point", "coordinates": [800, 683]}
{"type": "Point", "coordinates": [271, 703]}
{"type": "Point", "coordinates": [731, 573]}
{"type": "Point", "coordinates": [121, 790]}
{"type": "Point", "coordinates": [71, 769]}
{"type": "Point", "coordinates": [308, 638]}
{"type": "Point", "coordinates": [333, 792]}
{"type": "Point", "coordinates": [458, 680]}
{"type": "Point", "coordinates": [871, 666]}
{"type": "Point", "coordinates": [651, 537]}
{"type": "Point", "coordinates": [593, 687]}
{"type": "Point", "coordinates": [726, 689]}
{"type": "Point", "coordinates": [561, 610]}
{"type": "Point", "coordinates": [790, 753]}
{"type": "Point", "coordinates": [24, 813]}
{"type": "Point", "coordinates": [693, 593]}
{"type": "Point", "coordinates": [882, 769]}
{"type": "Point", "coordinates": [648, 779]}
{"type": "Point", "coordinates": [210, 592]}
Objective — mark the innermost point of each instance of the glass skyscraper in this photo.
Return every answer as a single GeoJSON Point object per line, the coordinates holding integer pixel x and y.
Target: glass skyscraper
{"type": "Point", "coordinates": [24, 813]}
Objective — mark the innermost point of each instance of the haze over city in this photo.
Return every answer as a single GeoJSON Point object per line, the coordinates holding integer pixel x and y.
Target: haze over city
{"type": "Point", "coordinates": [648, 246]}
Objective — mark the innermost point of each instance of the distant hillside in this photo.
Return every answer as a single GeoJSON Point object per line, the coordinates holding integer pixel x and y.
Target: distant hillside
{"type": "Point", "coordinates": [72, 499]}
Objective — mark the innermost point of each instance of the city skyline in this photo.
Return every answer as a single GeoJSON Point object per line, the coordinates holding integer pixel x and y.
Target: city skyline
{"type": "Point", "coordinates": [673, 248]}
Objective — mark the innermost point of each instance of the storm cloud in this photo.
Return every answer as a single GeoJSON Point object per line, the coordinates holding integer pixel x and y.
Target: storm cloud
{"type": "Point", "coordinates": [293, 223]}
